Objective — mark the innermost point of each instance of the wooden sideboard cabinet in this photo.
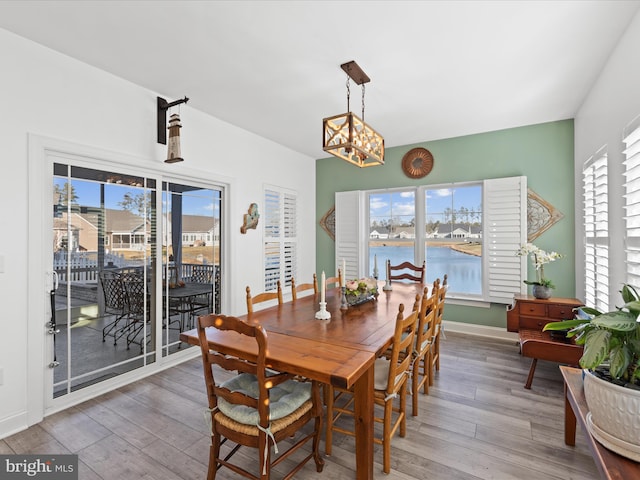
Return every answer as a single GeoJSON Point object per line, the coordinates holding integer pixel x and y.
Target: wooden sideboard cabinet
{"type": "Point", "coordinates": [530, 313]}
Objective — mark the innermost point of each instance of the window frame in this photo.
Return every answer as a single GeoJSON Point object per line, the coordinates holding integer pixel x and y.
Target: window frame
{"type": "Point", "coordinates": [284, 222]}
{"type": "Point", "coordinates": [500, 283]}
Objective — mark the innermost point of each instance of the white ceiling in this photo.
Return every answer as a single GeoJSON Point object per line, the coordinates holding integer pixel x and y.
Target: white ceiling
{"type": "Point", "coordinates": [438, 69]}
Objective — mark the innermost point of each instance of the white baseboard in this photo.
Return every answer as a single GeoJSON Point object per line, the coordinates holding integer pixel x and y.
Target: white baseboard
{"type": "Point", "coordinates": [497, 333]}
{"type": "Point", "coordinates": [13, 424]}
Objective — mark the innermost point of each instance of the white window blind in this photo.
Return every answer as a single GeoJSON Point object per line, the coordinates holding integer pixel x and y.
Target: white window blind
{"type": "Point", "coordinates": [596, 243]}
{"type": "Point", "coordinates": [350, 231]}
{"type": "Point", "coordinates": [632, 205]}
{"type": "Point", "coordinates": [505, 229]}
{"type": "Point", "coordinates": [280, 237]}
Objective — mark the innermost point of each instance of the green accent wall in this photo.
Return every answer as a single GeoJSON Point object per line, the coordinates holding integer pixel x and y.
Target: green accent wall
{"type": "Point", "coordinates": [543, 153]}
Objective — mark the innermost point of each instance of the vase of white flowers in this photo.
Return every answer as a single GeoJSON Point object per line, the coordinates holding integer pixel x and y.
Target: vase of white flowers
{"type": "Point", "coordinates": [541, 286]}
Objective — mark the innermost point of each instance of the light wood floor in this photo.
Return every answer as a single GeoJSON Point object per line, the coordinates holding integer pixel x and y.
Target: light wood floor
{"type": "Point", "coordinates": [478, 422]}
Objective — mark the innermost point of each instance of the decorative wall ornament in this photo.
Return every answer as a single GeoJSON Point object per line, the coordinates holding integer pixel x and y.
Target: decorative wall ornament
{"type": "Point", "coordinates": [328, 222]}
{"type": "Point", "coordinates": [541, 215]}
{"type": "Point", "coordinates": [250, 218]}
{"type": "Point", "coordinates": [417, 163]}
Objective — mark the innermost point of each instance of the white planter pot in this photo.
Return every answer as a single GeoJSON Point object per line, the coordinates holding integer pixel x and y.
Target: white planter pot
{"type": "Point", "coordinates": [614, 415]}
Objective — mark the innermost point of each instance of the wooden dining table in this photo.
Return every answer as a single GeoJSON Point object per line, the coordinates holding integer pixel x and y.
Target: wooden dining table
{"type": "Point", "coordinates": [340, 351]}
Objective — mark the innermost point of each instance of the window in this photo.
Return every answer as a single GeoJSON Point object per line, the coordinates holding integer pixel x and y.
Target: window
{"type": "Point", "coordinates": [280, 233]}
{"type": "Point", "coordinates": [453, 236]}
{"type": "Point", "coordinates": [392, 228]}
{"type": "Point", "coordinates": [470, 231]}
{"type": "Point", "coordinates": [596, 242]}
{"type": "Point", "coordinates": [632, 204]}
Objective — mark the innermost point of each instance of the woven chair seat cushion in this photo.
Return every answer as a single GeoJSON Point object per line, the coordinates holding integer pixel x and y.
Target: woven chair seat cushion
{"type": "Point", "coordinates": [284, 399]}
{"type": "Point", "coordinates": [275, 427]}
{"type": "Point", "coordinates": [381, 374]}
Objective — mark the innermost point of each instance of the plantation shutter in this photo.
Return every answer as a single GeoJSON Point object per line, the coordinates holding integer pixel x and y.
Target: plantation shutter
{"type": "Point", "coordinates": [596, 242]}
{"type": "Point", "coordinates": [290, 225]}
{"type": "Point", "coordinates": [280, 237]}
{"type": "Point", "coordinates": [505, 229]}
{"type": "Point", "coordinates": [350, 232]}
{"type": "Point", "coordinates": [632, 204]}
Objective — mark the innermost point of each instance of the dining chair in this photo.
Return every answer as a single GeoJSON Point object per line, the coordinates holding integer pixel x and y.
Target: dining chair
{"type": "Point", "coordinates": [416, 276]}
{"type": "Point", "coordinates": [390, 381]}
{"type": "Point", "coordinates": [263, 297]}
{"type": "Point", "coordinates": [137, 307]}
{"type": "Point", "coordinates": [295, 289]}
{"type": "Point", "coordinates": [438, 330]}
{"type": "Point", "coordinates": [115, 302]}
{"type": "Point", "coordinates": [333, 282]}
{"type": "Point", "coordinates": [421, 368]}
{"type": "Point", "coordinates": [255, 407]}
{"type": "Point", "coordinates": [201, 304]}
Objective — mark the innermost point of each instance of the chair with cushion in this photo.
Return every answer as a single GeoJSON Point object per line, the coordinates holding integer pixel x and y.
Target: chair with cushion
{"type": "Point", "coordinates": [422, 367]}
{"type": "Point", "coordinates": [399, 272]}
{"type": "Point", "coordinates": [255, 407]}
{"type": "Point", "coordinates": [390, 390]}
{"type": "Point", "coordinates": [263, 297]}
{"type": "Point", "coordinates": [438, 331]}
{"type": "Point", "coordinates": [295, 289]}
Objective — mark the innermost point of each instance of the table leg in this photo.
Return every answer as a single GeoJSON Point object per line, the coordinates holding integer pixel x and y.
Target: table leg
{"type": "Point", "coordinates": [569, 420]}
{"type": "Point", "coordinates": [363, 391]}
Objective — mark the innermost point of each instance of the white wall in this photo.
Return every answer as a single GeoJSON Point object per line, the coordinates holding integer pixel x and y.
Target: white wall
{"type": "Point", "coordinates": [48, 94]}
{"type": "Point", "coordinates": [612, 103]}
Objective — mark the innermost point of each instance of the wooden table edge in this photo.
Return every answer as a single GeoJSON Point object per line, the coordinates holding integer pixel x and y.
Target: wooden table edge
{"type": "Point", "coordinates": [610, 465]}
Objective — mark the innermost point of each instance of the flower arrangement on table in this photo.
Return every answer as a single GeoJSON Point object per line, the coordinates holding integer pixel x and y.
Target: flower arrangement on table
{"type": "Point", "coordinates": [361, 290]}
{"type": "Point", "coordinates": [539, 259]}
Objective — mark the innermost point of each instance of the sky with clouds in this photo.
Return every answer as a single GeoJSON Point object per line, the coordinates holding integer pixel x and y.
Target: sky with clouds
{"type": "Point", "coordinates": [401, 205]}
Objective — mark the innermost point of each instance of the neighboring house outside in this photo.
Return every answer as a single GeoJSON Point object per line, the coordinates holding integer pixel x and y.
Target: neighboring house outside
{"type": "Point", "coordinates": [458, 231]}
{"type": "Point", "coordinates": [379, 233]}
{"type": "Point", "coordinates": [198, 231]}
{"type": "Point", "coordinates": [124, 230]}
{"type": "Point", "coordinates": [405, 233]}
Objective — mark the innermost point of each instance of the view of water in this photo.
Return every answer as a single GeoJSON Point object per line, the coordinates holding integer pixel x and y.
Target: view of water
{"type": "Point", "coordinates": [464, 272]}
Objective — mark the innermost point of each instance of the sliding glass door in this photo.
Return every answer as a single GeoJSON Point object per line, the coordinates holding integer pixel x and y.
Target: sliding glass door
{"type": "Point", "coordinates": [191, 276]}
{"type": "Point", "coordinates": [104, 227]}
{"type": "Point", "coordinates": [135, 265]}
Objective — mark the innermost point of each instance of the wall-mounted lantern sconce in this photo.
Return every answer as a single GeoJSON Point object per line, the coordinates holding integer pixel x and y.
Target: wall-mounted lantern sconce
{"type": "Point", "coordinates": [173, 154]}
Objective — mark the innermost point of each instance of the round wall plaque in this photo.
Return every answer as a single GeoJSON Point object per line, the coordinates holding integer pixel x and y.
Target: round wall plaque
{"type": "Point", "coordinates": [417, 163]}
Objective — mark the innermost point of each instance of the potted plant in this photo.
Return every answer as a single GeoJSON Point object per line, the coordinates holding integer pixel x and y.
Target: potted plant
{"type": "Point", "coordinates": [542, 286]}
{"type": "Point", "coordinates": [611, 360]}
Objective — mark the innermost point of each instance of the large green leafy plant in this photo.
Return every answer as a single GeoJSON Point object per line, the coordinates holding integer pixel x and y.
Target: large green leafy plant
{"type": "Point", "coordinates": [610, 339]}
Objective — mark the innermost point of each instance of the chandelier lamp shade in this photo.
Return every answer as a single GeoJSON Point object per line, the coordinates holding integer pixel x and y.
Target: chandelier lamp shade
{"type": "Point", "coordinates": [349, 137]}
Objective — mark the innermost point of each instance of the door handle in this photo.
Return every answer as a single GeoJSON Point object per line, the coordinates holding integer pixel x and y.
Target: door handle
{"type": "Point", "coordinates": [54, 364]}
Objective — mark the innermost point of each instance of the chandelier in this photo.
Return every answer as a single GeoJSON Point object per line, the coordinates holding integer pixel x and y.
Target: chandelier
{"type": "Point", "coordinates": [346, 135]}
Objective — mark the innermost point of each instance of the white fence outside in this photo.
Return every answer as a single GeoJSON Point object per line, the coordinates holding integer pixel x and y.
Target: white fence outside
{"type": "Point", "coordinates": [83, 266]}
